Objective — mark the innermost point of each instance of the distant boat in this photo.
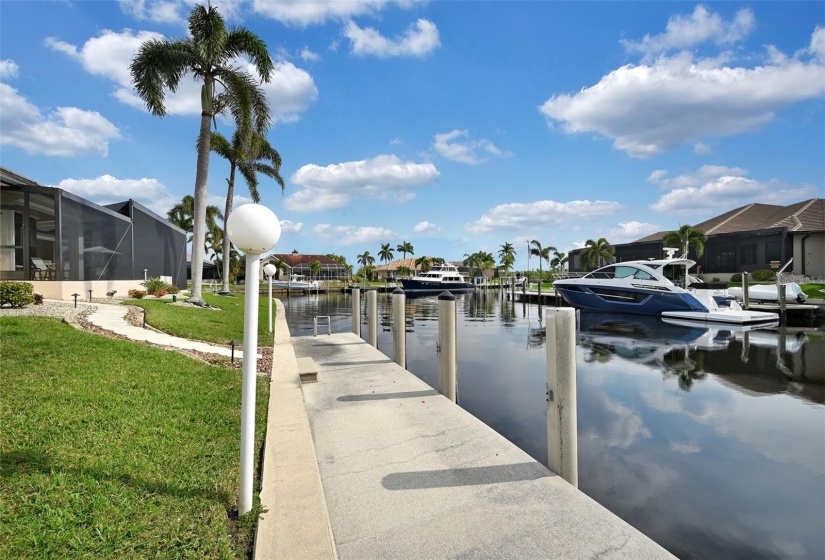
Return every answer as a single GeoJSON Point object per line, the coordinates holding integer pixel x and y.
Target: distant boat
{"type": "Point", "coordinates": [437, 279]}
{"type": "Point", "coordinates": [770, 292]}
{"type": "Point", "coordinates": [652, 287]}
{"type": "Point", "coordinates": [296, 282]}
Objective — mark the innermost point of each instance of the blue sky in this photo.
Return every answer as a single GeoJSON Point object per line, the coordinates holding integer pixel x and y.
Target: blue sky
{"type": "Point", "coordinates": [456, 126]}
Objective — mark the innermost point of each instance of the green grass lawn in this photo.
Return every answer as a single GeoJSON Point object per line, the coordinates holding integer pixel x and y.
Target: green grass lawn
{"type": "Point", "coordinates": [218, 327]}
{"type": "Point", "coordinates": [114, 449]}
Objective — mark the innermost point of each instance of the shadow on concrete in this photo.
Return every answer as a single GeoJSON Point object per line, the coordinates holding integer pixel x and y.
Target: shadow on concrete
{"type": "Point", "coordinates": [387, 396]}
{"type": "Point", "coordinates": [338, 344]}
{"type": "Point", "coordinates": [468, 476]}
{"type": "Point", "coordinates": [361, 363]}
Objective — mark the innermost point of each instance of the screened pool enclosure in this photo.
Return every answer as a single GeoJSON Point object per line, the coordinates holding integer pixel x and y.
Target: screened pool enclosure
{"type": "Point", "coordinates": [48, 234]}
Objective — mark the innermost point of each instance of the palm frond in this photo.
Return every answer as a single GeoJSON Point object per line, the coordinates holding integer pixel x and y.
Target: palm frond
{"type": "Point", "coordinates": [241, 41]}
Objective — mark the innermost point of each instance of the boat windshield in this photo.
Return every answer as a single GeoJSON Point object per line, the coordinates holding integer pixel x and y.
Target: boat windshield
{"type": "Point", "coordinates": [620, 271]}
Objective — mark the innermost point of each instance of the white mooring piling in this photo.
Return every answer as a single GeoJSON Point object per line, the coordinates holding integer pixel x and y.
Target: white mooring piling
{"type": "Point", "coordinates": [446, 341]}
{"type": "Point", "coordinates": [745, 291]}
{"type": "Point", "coordinates": [562, 429]}
{"type": "Point", "coordinates": [356, 311]}
{"type": "Point", "coordinates": [399, 325]}
{"type": "Point", "coordinates": [372, 317]}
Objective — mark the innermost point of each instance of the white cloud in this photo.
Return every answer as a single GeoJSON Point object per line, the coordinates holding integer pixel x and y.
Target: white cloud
{"type": "Point", "coordinates": [67, 131]}
{"type": "Point", "coordinates": [8, 69]}
{"type": "Point", "coordinates": [352, 235]}
{"type": "Point", "coordinates": [540, 214]}
{"type": "Point", "coordinates": [702, 26]}
{"type": "Point", "coordinates": [817, 48]}
{"type": "Point", "coordinates": [675, 100]}
{"type": "Point", "coordinates": [290, 90]}
{"type": "Point", "coordinates": [426, 227]}
{"type": "Point", "coordinates": [219, 201]}
{"type": "Point", "coordinates": [302, 13]}
{"type": "Point", "coordinates": [308, 55]}
{"type": "Point", "coordinates": [288, 226]}
{"type": "Point", "coordinates": [467, 151]}
{"type": "Point", "coordinates": [628, 231]}
{"type": "Point", "coordinates": [713, 187]}
{"type": "Point", "coordinates": [382, 177]}
{"type": "Point", "coordinates": [700, 148]}
{"type": "Point", "coordinates": [157, 11]}
{"type": "Point", "coordinates": [419, 39]}
{"type": "Point", "coordinates": [107, 189]}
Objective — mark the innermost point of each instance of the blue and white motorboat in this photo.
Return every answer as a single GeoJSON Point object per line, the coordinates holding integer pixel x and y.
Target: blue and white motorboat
{"type": "Point", "coordinates": [437, 279]}
{"type": "Point", "coordinates": [654, 287]}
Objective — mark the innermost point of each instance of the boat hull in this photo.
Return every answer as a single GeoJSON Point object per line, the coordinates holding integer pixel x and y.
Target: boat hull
{"type": "Point", "coordinates": [413, 285]}
{"type": "Point", "coordinates": [627, 299]}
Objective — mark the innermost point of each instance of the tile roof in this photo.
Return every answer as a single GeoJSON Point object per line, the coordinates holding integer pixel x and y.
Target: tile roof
{"type": "Point", "coordinates": [808, 215]}
{"type": "Point", "coordinates": [293, 260]}
{"type": "Point", "coordinates": [9, 177]}
{"type": "Point", "coordinates": [409, 263]}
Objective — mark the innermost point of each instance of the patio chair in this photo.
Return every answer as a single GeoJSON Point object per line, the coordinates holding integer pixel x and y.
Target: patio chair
{"type": "Point", "coordinates": [42, 271]}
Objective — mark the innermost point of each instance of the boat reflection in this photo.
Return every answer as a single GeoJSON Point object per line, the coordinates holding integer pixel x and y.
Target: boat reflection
{"type": "Point", "coordinates": [756, 360]}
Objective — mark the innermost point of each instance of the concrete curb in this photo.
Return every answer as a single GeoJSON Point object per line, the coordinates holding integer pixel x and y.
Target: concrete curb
{"type": "Point", "coordinates": [296, 524]}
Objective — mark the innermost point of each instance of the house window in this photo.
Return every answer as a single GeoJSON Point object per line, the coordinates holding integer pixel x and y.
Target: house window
{"type": "Point", "coordinates": [748, 254]}
{"type": "Point", "coordinates": [772, 251]}
{"type": "Point", "coordinates": [722, 259]}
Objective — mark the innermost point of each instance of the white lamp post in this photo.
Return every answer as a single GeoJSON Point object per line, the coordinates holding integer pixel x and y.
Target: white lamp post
{"type": "Point", "coordinates": [254, 229]}
{"type": "Point", "coordinates": [269, 270]}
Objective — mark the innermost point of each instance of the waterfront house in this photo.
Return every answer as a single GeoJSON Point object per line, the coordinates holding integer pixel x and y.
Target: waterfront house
{"type": "Point", "coordinates": [296, 263]}
{"type": "Point", "coordinates": [751, 237]}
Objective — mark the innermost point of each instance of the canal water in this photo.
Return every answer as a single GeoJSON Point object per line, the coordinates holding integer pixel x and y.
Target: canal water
{"type": "Point", "coordinates": [709, 440]}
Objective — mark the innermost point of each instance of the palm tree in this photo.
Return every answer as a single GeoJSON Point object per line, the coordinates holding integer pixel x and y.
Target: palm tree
{"type": "Point", "coordinates": [249, 153]}
{"type": "Point", "coordinates": [182, 215]}
{"type": "Point", "coordinates": [208, 54]}
{"type": "Point", "coordinates": [507, 256]}
{"type": "Point", "coordinates": [405, 247]}
{"type": "Point", "coordinates": [403, 270]}
{"type": "Point", "coordinates": [385, 254]}
{"type": "Point", "coordinates": [686, 237]}
{"type": "Point", "coordinates": [366, 260]}
{"type": "Point", "coordinates": [543, 253]}
{"type": "Point", "coordinates": [424, 262]}
{"type": "Point", "coordinates": [486, 262]}
{"type": "Point", "coordinates": [559, 260]}
{"type": "Point", "coordinates": [597, 253]}
{"type": "Point", "coordinates": [437, 261]}
{"type": "Point", "coordinates": [315, 268]}
{"type": "Point", "coordinates": [471, 262]}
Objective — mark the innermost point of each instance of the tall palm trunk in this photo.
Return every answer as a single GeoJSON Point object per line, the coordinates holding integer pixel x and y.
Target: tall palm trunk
{"type": "Point", "coordinates": [201, 188]}
{"type": "Point", "coordinates": [230, 193]}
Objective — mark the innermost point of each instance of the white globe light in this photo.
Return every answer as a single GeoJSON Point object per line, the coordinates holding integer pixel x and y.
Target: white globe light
{"type": "Point", "coordinates": [269, 268]}
{"type": "Point", "coordinates": [253, 228]}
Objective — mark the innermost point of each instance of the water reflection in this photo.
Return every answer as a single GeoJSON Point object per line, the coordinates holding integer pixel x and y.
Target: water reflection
{"type": "Point", "coordinates": [711, 440]}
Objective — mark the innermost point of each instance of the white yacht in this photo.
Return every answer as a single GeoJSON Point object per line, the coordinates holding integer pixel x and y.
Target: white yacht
{"type": "Point", "coordinates": [438, 278]}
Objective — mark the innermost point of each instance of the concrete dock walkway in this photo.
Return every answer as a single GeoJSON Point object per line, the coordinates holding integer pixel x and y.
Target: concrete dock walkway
{"type": "Point", "coordinates": [404, 473]}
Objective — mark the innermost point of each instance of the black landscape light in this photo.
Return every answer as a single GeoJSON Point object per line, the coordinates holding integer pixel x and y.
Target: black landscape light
{"type": "Point", "coordinates": [75, 299]}
{"type": "Point", "coordinates": [145, 311]}
{"type": "Point", "coordinates": [174, 298]}
{"type": "Point", "coordinates": [90, 295]}
{"type": "Point", "coordinates": [232, 344]}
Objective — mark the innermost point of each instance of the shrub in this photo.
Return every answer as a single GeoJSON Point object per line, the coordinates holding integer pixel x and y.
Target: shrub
{"type": "Point", "coordinates": [154, 284]}
{"type": "Point", "coordinates": [111, 294]}
{"type": "Point", "coordinates": [137, 294]}
{"type": "Point", "coordinates": [38, 299]}
{"type": "Point", "coordinates": [16, 294]}
{"type": "Point", "coordinates": [736, 277]}
{"type": "Point", "coordinates": [172, 289]}
{"type": "Point", "coordinates": [761, 275]}
{"type": "Point", "coordinates": [715, 279]}
{"type": "Point", "coordinates": [160, 293]}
